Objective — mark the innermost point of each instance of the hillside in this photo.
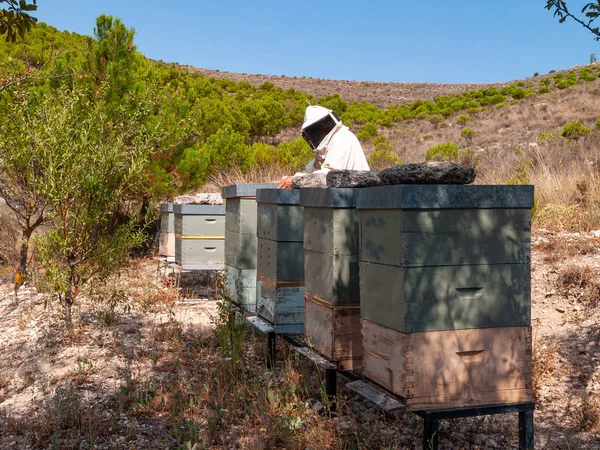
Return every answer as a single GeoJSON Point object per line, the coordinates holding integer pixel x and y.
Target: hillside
{"type": "Point", "coordinates": [378, 93]}
{"type": "Point", "coordinates": [143, 368]}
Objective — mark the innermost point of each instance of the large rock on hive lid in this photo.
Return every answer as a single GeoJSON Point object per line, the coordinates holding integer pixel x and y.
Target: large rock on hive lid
{"type": "Point", "coordinates": [428, 173]}
{"type": "Point", "coordinates": [352, 179]}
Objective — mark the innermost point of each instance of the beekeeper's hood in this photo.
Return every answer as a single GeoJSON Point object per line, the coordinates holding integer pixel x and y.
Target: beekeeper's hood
{"type": "Point", "coordinates": [318, 124]}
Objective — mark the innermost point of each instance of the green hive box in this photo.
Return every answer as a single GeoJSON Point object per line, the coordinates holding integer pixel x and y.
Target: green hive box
{"type": "Point", "coordinates": [241, 242]}
{"type": "Point", "coordinates": [445, 257]}
{"type": "Point", "coordinates": [331, 244]}
{"type": "Point", "coordinates": [331, 275]}
{"type": "Point", "coordinates": [199, 236]}
{"type": "Point", "coordinates": [280, 259]}
{"type": "Point", "coordinates": [166, 246]}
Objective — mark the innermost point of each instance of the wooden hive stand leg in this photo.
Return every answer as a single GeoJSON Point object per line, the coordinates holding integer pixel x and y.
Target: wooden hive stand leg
{"type": "Point", "coordinates": [431, 436]}
{"type": "Point", "coordinates": [271, 349]}
{"type": "Point", "coordinates": [526, 430]}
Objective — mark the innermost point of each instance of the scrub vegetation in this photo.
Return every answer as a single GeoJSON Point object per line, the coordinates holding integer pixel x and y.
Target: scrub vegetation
{"type": "Point", "coordinates": [93, 134]}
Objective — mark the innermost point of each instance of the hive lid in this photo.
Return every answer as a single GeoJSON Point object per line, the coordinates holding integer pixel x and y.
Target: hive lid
{"type": "Point", "coordinates": [244, 190]}
{"type": "Point", "coordinates": [445, 196]}
{"type": "Point", "coordinates": [278, 196]}
{"type": "Point", "coordinates": [200, 210]}
{"type": "Point", "coordinates": [166, 207]}
{"type": "Point", "coordinates": [329, 198]}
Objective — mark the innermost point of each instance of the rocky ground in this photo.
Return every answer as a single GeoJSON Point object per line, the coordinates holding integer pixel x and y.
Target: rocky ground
{"type": "Point", "coordinates": [125, 374]}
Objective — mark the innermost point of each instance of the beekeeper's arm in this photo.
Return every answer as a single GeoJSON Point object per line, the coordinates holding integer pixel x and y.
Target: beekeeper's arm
{"type": "Point", "coordinates": [343, 153]}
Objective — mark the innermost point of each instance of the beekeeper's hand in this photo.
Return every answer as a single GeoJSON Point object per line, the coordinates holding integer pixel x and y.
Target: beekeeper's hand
{"type": "Point", "coordinates": [286, 183]}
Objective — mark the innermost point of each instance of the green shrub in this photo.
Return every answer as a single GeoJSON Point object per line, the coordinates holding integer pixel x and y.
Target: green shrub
{"type": "Point", "coordinates": [461, 120]}
{"type": "Point", "coordinates": [442, 152]}
{"type": "Point", "coordinates": [546, 82]}
{"type": "Point", "coordinates": [227, 148]}
{"type": "Point", "coordinates": [436, 119]}
{"type": "Point", "coordinates": [264, 154]}
{"type": "Point", "coordinates": [383, 156]}
{"type": "Point", "coordinates": [547, 138]}
{"type": "Point", "coordinates": [193, 167]}
{"type": "Point", "coordinates": [294, 154]}
{"type": "Point", "coordinates": [368, 131]}
{"type": "Point", "coordinates": [575, 130]}
{"type": "Point", "coordinates": [598, 122]}
{"type": "Point", "coordinates": [467, 134]}
{"type": "Point", "coordinates": [562, 84]}
{"type": "Point", "coordinates": [544, 90]}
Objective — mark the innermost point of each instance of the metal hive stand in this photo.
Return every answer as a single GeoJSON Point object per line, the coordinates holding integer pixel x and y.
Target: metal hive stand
{"type": "Point", "coordinates": [301, 348]}
{"type": "Point", "coordinates": [390, 402]}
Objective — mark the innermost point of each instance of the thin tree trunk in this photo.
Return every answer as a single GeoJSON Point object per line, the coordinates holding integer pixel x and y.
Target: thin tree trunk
{"type": "Point", "coordinates": [22, 269]}
{"type": "Point", "coordinates": [27, 232]}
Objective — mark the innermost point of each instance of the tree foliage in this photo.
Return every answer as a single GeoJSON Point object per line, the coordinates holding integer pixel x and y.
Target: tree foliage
{"type": "Point", "coordinates": [15, 19]}
{"type": "Point", "coordinates": [590, 12]}
{"type": "Point", "coordinates": [94, 158]}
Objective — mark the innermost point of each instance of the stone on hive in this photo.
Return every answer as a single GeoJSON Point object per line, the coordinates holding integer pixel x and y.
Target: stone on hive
{"type": "Point", "coordinates": [311, 180]}
{"type": "Point", "coordinates": [199, 199]}
{"type": "Point", "coordinates": [352, 179]}
{"type": "Point", "coordinates": [444, 172]}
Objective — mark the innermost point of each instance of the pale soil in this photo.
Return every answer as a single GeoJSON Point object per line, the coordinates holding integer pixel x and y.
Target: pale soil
{"type": "Point", "coordinates": [38, 360]}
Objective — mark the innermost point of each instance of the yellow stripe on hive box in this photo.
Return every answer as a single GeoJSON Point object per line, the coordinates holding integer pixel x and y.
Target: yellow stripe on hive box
{"type": "Point", "coordinates": [180, 236]}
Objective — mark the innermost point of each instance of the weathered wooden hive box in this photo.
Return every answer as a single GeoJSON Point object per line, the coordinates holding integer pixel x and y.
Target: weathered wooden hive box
{"type": "Point", "coordinates": [166, 238]}
{"type": "Point", "coordinates": [446, 293]}
{"type": "Point", "coordinates": [281, 259]}
{"type": "Point", "coordinates": [332, 294]}
{"type": "Point", "coordinates": [241, 242]}
{"type": "Point", "coordinates": [199, 236]}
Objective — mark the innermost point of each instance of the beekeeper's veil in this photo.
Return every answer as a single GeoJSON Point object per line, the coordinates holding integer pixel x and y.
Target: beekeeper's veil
{"type": "Point", "coordinates": [318, 123]}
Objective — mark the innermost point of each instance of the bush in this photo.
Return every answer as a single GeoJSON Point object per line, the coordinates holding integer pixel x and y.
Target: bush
{"type": "Point", "coordinates": [467, 134]}
{"type": "Point", "coordinates": [228, 149]}
{"type": "Point", "coordinates": [368, 131]}
{"type": "Point", "coordinates": [575, 130]}
{"type": "Point", "coordinates": [548, 138]}
{"type": "Point", "coordinates": [295, 154]}
{"type": "Point", "coordinates": [436, 119]}
{"type": "Point", "coordinates": [461, 120]}
{"type": "Point", "coordinates": [383, 156]}
{"type": "Point", "coordinates": [442, 152]}
{"type": "Point", "coordinates": [598, 122]}
{"type": "Point", "coordinates": [544, 90]}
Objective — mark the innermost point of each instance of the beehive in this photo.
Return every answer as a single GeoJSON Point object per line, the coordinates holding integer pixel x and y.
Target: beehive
{"type": "Point", "coordinates": [445, 292]}
{"type": "Point", "coordinates": [199, 236]}
{"type": "Point", "coordinates": [166, 243]}
{"type": "Point", "coordinates": [241, 242]}
{"type": "Point", "coordinates": [332, 295]}
{"type": "Point", "coordinates": [281, 259]}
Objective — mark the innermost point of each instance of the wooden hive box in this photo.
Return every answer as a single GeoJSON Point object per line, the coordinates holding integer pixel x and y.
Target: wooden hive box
{"type": "Point", "coordinates": [280, 259]}
{"type": "Point", "coordinates": [445, 281]}
{"type": "Point", "coordinates": [199, 236]}
{"type": "Point", "coordinates": [450, 369]}
{"type": "Point", "coordinates": [166, 243]}
{"type": "Point", "coordinates": [332, 298]}
{"type": "Point", "coordinates": [241, 242]}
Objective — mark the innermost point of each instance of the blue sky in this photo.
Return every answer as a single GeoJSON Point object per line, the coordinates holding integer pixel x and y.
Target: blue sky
{"type": "Point", "coordinates": [435, 41]}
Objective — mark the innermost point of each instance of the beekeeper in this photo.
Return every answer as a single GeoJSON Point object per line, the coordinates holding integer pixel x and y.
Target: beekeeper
{"type": "Point", "coordinates": [334, 145]}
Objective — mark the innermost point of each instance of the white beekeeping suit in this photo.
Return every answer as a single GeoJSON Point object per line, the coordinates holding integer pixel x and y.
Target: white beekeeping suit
{"type": "Point", "coordinates": [334, 145]}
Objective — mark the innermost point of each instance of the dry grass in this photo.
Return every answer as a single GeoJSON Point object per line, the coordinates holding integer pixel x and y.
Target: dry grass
{"type": "Point", "coordinates": [558, 248]}
{"type": "Point", "coordinates": [580, 283]}
{"type": "Point", "coordinates": [588, 413]}
{"type": "Point", "coordinates": [544, 361]}
{"type": "Point", "coordinates": [261, 174]}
